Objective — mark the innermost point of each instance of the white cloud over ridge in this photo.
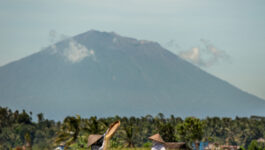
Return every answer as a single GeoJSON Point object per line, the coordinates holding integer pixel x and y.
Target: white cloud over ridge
{"type": "Point", "coordinates": [206, 56]}
{"type": "Point", "coordinates": [75, 52]}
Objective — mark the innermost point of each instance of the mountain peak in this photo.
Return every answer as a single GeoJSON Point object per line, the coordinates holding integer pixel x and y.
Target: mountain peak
{"type": "Point", "coordinates": [103, 74]}
{"type": "Point", "coordinates": [93, 44]}
{"type": "Point", "coordinates": [112, 37]}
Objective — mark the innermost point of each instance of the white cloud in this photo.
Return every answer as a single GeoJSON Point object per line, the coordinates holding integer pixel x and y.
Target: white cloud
{"type": "Point", "coordinates": [206, 56]}
{"type": "Point", "coordinates": [193, 54]}
{"type": "Point", "coordinates": [76, 52]}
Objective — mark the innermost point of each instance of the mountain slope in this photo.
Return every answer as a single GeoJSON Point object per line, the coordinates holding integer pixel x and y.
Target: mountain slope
{"type": "Point", "coordinates": [100, 73]}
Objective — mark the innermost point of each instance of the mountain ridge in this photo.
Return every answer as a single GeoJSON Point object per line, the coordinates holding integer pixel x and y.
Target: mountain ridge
{"type": "Point", "coordinates": [94, 70]}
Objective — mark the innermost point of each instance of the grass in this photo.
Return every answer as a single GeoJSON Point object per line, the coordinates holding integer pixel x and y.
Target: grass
{"type": "Point", "coordinates": [123, 149]}
{"type": "Point", "coordinates": [108, 149]}
{"type": "Point", "coordinates": [129, 148]}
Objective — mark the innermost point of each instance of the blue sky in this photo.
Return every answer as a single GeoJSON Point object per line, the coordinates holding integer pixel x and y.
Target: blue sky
{"type": "Point", "coordinates": [235, 28]}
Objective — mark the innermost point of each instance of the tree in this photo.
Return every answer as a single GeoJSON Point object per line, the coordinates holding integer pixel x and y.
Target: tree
{"type": "Point", "coordinates": [24, 118]}
{"type": "Point", "coordinates": [191, 129]}
{"type": "Point", "coordinates": [254, 145]}
{"type": "Point", "coordinates": [40, 117]}
{"type": "Point", "coordinates": [69, 131]}
{"type": "Point", "coordinates": [129, 131]}
{"type": "Point", "coordinates": [167, 131]}
{"type": "Point", "coordinates": [94, 126]}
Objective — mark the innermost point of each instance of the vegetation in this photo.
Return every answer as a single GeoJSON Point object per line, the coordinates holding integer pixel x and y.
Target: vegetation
{"type": "Point", "coordinates": [18, 129]}
{"type": "Point", "coordinates": [191, 130]}
{"type": "Point", "coordinates": [254, 145]}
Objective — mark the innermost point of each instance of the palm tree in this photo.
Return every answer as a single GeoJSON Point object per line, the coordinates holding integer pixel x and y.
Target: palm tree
{"type": "Point", "coordinates": [94, 126]}
{"type": "Point", "coordinates": [69, 131]}
{"type": "Point", "coordinates": [129, 131]}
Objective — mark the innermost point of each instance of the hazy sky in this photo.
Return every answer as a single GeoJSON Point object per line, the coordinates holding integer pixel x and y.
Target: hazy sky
{"type": "Point", "coordinates": [224, 37]}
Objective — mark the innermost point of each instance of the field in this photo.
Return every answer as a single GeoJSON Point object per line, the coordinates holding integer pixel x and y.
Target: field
{"type": "Point", "coordinates": [124, 149]}
{"type": "Point", "coordinates": [130, 148]}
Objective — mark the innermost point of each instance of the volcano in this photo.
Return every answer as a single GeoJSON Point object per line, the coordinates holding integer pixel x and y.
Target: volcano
{"type": "Point", "coordinates": [105, 74]}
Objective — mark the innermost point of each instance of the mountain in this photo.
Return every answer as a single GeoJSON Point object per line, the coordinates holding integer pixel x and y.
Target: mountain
{"type": "Point", "coordinates": [104, 74]}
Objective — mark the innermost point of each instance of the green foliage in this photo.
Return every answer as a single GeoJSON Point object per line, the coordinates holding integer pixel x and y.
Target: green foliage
{"type": "Point", "coordinates": [147, 144]}
{"type": "Point", "coordinates": [40, 117]}
{"type": "Point", "coordinates": [129, 130]}
{"type": "Point", "coordinates": [254, 145]}
{"type": "Point", "coordinates": [24, 118]}
{"type": "Point", "coordinates": [94, 125]}
{"type": "Point", "coordinates": [167, 131]}
{"type": "Point", "coordinates": [18, 129]}
{"type": "Point", "coordinates": [191, 129]}
{"type": "Point", "coordinates": [69, 131]}
{"type": "Point", "coordinates": [241, 148]}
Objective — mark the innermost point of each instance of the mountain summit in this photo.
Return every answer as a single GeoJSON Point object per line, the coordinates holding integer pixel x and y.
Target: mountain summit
{"type": "Point", "coordinates": [103, 74]}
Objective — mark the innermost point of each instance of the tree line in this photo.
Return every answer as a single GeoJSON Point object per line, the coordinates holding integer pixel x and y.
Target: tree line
{"type": "Point", "coordinates": [17, 128]}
